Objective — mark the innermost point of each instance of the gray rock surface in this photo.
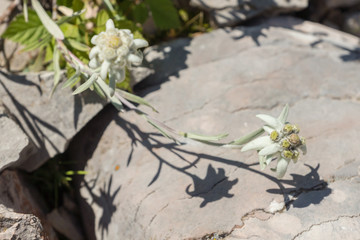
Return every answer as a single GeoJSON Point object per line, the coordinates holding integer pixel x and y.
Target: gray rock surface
{"type": "Point", "coordinates": [17, 226]}
{"type": "Point", "coordinates": [22, 211]}
{"type": "Point", "coordinates": [142, 186]}
{"type": "Point", "coordinates": [232, 12]}
{"type": "Point", "coordinates": [14, 144]}
{"type": "Point", "coordinates": [49, 122]}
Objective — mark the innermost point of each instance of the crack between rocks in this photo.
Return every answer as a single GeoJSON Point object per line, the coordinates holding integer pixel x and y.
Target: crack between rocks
{"type": "Point", "coordinates": [256, 108]}
{"type": "Point", "coordinates": [153, 218]}
{"type": "Point", "coordinates": [324, 222]}
{"type": "Point", "coordinates": [339, 179]}
{"type": "Point", "coordinates": [138, 208]}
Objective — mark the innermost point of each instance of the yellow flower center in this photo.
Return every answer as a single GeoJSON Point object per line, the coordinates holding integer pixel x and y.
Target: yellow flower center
{"type": "Point", "coordinates": [285, 144]}
{"type": "Point", "coordinates": [113, 41]}
{"type": "Point", "coordinates": [287, 128]}
{"type": "Point", "coordinates": [294, 139]}
{"type": "Point", "coordinates": [288, 154]}
{"type": "Point", "coordinates": [274, 135]}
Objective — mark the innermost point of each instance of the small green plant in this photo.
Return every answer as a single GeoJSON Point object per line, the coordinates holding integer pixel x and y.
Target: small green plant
{"type": "Point", "coordinates": [53, 178]}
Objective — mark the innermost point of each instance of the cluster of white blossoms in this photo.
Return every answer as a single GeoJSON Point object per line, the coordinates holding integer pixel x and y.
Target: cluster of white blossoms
{"type": "Point", "coordinates": [114, 50]}
{"type": "Point", "coordinates": [282, 143]}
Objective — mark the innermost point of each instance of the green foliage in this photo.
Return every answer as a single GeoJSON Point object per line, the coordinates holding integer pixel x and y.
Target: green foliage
{"type": "Point", "coordinates": [164, 13]}
{"type": "Point", "coordinates": [32, 34]}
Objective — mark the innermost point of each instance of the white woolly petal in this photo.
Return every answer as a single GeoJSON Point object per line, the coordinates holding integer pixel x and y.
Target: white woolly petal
{"type": "Point", "coordinates": [126, 30]}
{"type": "Point", "coordinates": [272, 122]}
{"type": "Point", "coordinates": [140, 43]}
{"type": "Point", "coordinates": [281, 167]}
{"type": "Point", "coordinates": [118, 74]}
{"type": "Point", "coordinates": [257, 144]}
{"type": "Point", "coordinates": [271, 149]}
{"type": "Point", "coordinates": [135, 59]}
{"type": "Point", "coordinates": [94, 39]}
{"type": "Point", "coordinates": [93, 63]}
{"type": "Point", "coordinates": [109, 24]}
{"type": "Point", "coordinates": [94, 51]}
{"type": "Point", "coordinates": [268, 129]}
{"type": "Point", "coordinates": [284, 114]}
{"type": "Point", "coordinates": [104, 69]}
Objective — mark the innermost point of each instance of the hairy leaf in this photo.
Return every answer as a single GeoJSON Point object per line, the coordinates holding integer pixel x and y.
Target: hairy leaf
{"type": "Point", "coordinates": [32, 34]}
{"type": "Point", "coordinates": [48, 23]}
{"type": "Point", "coordinates": [136, 99]}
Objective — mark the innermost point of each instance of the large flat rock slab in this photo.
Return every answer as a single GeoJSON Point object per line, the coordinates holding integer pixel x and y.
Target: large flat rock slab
{"type": "Point", "coordinates": [14, 143]}
{"type": "Point", "coordinates": [141, 186]}
{"type": "Point", "coordinates": [49, 122]}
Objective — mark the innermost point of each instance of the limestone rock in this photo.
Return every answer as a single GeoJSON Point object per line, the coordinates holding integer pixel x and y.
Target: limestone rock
{"type": "Point", "coordinates": [232, 12]}
{"type": "Point", "coordinates": [65, 224]}
{"type": "Point", "coordinates": [49, 122]}
{"type": "Point", "coordinates": [141, 186]}
{"type": "Point", "coordinates": [14, 144]}
{"type": "Point", "coordinates": [18, 226]}
{"type": "Point", "coordinates": [27, 209]}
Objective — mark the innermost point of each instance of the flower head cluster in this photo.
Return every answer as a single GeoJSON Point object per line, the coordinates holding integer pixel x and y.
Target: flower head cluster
{"type": "Point", "coordinates": [114, 50]}
{"type": "Point", "coordinates": [283, 143]}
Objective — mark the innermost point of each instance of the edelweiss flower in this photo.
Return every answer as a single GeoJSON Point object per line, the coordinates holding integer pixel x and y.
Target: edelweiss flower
{"type": "Point", "coordinates": [115, 49]}
{"type": "Point", "coordinates": [282, 143]}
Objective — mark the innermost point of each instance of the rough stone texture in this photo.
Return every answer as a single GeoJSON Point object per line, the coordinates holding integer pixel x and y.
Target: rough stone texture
{"type": "Point", "coordinates": [14, 143]}
{"type": "Point", "coordinates": [17, 226]}
{"type": "Point", "coordinates": [65, 223]}
{"type": "Point", "coordinates": [49, 122]}
{"type": "Point", "coordinates": [141, 186]}
{"type": "Point", "coordinates": [232, 12]}
{"type": "Point", "coordinates": [17, 195]}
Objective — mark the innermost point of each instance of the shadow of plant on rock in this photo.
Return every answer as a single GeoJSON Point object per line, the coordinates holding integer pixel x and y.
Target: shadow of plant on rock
{"type": "Point", "coordinates": [213, 187]}
{"type": "Point", "coordinates": [105, 200]}
{"type": "Point", "coordinates": [304, 184]}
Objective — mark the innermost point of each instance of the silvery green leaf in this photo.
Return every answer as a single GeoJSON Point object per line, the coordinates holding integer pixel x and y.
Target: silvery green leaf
{"type": "Point", "coordinates": [281, 167]}
{"type": "Point", "coordinates": [86, 84]}
{"type": "Point", "coordinates": [78, 45]}
{"type": "Point", "coordinates": [99, 91]}
{"type": "Point", "coordinates": [162, 131]}
{"type": "Point", "coordinates": [247, 138]}
{"type": "Point", "coordinates": [284, 114]}
{"type": "Point", "coordinates": [112, 85]}
{"type": "Point", "coordinates": [202, 137]}
{"type": "Point", "coordinates": [271, 149]}
{"type": "Point", "coordinates": [25, 9]}
{"type": "Point", "coordinates": [113, 99]}
{"type": "Point", "coordinates": [56, 64]}
{"type": "Point", "coordinates": [257, 144]}
{"type": "Point", "coordinates": [133, 98]}
{"type": "Point", "coordinates": [48, 23]}
{"type": "Point", "coordinates": [116, 103]}
{"type": "Point", "coordinates": [269, 120]}
{"type": "Point", "coordinates": [73, 79]}
{"type": "Point", "coordinates": [68, 18]}
{"type": "Point", "coordinates": [268, 129]}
